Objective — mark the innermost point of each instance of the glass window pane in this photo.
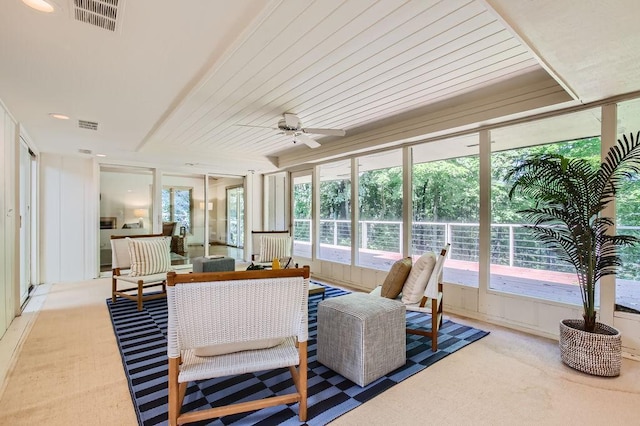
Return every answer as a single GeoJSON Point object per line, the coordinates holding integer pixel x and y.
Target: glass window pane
{"type": "Point", "coordinates": [302, 224]}
{"type": "Point", "coordinates": [520, 264]}
{"type": "Point", "coordinates": [166, 205]}
{"type": "Point", "coordinates": [335, 212]}
{"type": "Point", "coordinates": [179, 195]}
{"type": "Point", "coordinates": [235, 216]}
{"type": "Point", "coordinates": [183, 207]}
{"type": "Point", "coordinates": [445, 205]}
{"type": "Point", "coordinates": [380, 204]}
{"type": "Point", "coordinates": [125, 206]}
{"type": "Point", "coordinates": [217, 209]}
{"type": "Point", "coordinates": [628, 219]}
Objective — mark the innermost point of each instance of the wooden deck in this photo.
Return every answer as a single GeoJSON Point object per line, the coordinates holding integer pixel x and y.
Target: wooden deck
{"type": "Point", "coordinates": [550, 285]}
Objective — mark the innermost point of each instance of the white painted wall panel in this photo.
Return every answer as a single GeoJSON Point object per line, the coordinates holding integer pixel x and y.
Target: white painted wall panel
{"type": "Point", "coordinates": [524, 310]}
{"type": "Point", "coordinates": [4, 311]}
{"type": "Point", "coordinates": [72, 218]}
{"type": "Point", "coordinates": [51, 169]}
{"type": "Point", "coordinates": [10, 239]}
{"type": "Point", "coordinates": [461, 299]}
{"type": "Point", "coordinates": [629, 326]}
{"type": "Point", "coordinates": [69, 222]}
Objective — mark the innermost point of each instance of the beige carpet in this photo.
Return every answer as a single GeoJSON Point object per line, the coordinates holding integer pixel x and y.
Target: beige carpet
{"type": "Point", "coordinates": [69, 372]}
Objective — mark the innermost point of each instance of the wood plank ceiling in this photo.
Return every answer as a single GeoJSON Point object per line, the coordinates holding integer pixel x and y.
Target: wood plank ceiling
{"type": "Point", "coordinates": [340, 64]}
{"type": "Point", "coordinates": [202, 88]}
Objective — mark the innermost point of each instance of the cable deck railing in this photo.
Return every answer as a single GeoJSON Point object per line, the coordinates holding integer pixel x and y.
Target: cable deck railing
{"type": "Point", "coordinates": [511, 244]}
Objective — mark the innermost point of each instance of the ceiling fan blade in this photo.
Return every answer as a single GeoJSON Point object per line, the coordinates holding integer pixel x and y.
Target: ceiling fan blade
{"type": "Point", "coordinates": [330, 132]}
{"type": "Point", "coordinates": [311, 143]}
{"type": "Point", "coordinates": [291, 120]}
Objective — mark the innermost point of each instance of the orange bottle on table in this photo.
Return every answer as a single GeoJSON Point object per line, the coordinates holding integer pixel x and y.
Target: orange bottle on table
{"type": "Point", "coordinates": [275, 264]}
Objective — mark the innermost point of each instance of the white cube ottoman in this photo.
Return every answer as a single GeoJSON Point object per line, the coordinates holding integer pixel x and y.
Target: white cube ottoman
{"type": "Point", "coordinates": [362, 337]}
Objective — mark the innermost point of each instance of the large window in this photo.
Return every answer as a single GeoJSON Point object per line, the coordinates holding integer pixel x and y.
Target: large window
{"type": "Point", "coordinates": [125, 205]}
{"type": "Point", "coordinates": [302, 225]}
{"type": "Point", "coordinates": [519, 264]}
{"type": "Point", "coordinates": [235, 216]}
{"type": "Point", "coordinates": [446, 205]}
{"type": "Point", "coordinates": [628, 219]}
{"type": "Point", "coordinates": [335, 212]}
{"type": "Point", "coordinates": [177, 206]}
{"type": "Point", "coordinates": [380, 208]}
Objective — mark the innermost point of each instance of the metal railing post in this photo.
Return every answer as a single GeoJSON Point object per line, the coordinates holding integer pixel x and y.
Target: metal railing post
{"type": "Point", "coordinates": [365, 234]}
{"type": "Point", "coordinates": [511, 245]}
{"type": "Point", "coordinates": [447, 232]}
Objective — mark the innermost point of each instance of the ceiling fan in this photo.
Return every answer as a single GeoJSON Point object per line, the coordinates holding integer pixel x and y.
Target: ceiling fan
{"type": "Point", "coordinates": [290, 125]}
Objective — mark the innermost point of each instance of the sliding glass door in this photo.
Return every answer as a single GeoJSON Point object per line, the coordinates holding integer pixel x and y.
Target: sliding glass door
{"type": "Point", "coordinates": [125, 205]}
{"type": "Point", "coordinates": [235, 216]}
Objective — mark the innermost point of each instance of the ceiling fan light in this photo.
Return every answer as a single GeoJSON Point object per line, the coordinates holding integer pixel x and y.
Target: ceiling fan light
{"type": "Point", "coordinates": [40, 5]}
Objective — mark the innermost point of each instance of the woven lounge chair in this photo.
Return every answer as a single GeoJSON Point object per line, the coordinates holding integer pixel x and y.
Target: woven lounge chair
{"type": "Point", "coordinates": [155, 257]}
{"type": "Point", "coordinates": [431, 301]}
{"type": "Point", "coordinates": [272, 245]}
{"type": "Point", "coordinates": [231, 323]}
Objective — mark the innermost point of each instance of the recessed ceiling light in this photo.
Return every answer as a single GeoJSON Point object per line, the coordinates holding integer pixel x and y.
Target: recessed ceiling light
{"type": "Point", "coordinates": [40, 5]}
{"type": "Point", "coordinates": [59, 116]}
{"type": "Point", "coordinates": [101, 155]}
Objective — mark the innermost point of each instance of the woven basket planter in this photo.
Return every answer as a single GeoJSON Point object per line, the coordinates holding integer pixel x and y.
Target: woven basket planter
{"type": "Point", "coordinates": [599, 353]}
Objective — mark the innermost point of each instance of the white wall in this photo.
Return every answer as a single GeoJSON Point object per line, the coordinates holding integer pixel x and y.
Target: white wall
{"type": "Point", "coordinates": [69, 209]}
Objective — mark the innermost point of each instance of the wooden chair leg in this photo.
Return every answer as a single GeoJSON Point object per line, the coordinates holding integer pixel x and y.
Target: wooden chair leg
{"type": "Point", "coordinates": [434, 325]}
{"type": "Point", "coordinates": [174, 397]}
{"type": "Point", "coordinates": [140, 290]}
{"type": "Point", "coordinates": [113, 290]}
{"type": "Point", "coordinates": [302, 389]}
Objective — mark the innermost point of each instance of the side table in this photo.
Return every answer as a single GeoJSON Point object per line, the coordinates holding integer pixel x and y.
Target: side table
{"type": "Point", "coordinates": [178, 243]}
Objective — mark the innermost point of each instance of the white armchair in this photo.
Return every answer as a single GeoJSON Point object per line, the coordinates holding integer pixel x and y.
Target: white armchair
{"type": "Point", "coordinates": [229, 323]}
{"type": "Point", "coordinates": [269, 245]}
{"type": "Point", "coordinates": [424, 288]}
{"type": "Point", "coordinates": [142, 261]}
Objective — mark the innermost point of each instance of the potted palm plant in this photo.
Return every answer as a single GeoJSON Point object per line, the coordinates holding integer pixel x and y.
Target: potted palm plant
{"type": "Point", "coordinates": [570, 195]}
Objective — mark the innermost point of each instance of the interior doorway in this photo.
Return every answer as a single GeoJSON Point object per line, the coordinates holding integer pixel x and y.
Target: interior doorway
{"type": "Point", "coordinates": [235, 216]}
{"type": "Point", "coordinates": [27, 220]}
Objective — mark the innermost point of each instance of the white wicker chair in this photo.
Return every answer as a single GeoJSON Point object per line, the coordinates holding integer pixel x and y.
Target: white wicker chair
{"type": "Point", "coordinates": [431, 302]}
{"type": "Point", "coordinates": [121, 262]}
{"type": "Point", "coordinates": [270, 245]}
{"type": "Point", "coordinates": [208, 310]}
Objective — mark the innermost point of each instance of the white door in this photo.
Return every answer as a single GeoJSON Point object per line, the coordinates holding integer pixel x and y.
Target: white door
{"type": "Point", "coordinates": [25, 220]}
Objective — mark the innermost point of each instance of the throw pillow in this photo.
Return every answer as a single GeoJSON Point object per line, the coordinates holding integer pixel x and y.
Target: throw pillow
{"type": "Point", "coordinates": [149, 255]}
{"type": "Point", "coordinates": [396, 277]}
{"type": "Point", "coordinates": [416, 282]}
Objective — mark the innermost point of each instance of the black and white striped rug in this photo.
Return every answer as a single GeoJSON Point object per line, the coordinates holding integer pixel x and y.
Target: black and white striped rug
{"type": "Point", "coordinates": [142, 341]}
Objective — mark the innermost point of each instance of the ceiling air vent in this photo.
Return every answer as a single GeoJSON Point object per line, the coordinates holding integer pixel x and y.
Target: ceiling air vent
{"type": "Point", "coordinates": [89, 125]}
{"type": "Point", "coordinates": [84, 151]}
{"type": "Point", "coordinates": [100, 13]}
